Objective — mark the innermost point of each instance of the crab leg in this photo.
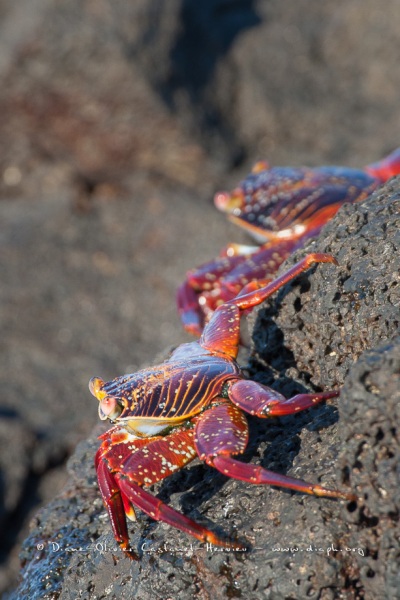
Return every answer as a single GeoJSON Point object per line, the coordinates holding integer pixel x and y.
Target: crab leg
{"type": "Point", "coordinates": [386, 168]}
{"type": "Point", "coordinates": [253, 298]}
{"type": "Point", "coordinates": [222, 333]}
{"type": "Point", "coordinates": [260, 266]}
{"type": "Point", "coordinates": [189, 309]}
{"type": "Point", "coordinates": [204, 279]}
{"type": "Point", "coordinates": [223, 431]}
{"type": "Point", "coordinates": [162, 512]}
{"type": "Point", "coordinates": [256, 474]}
{"type": "Point", "coordinates": [260, 400]}
{"type": "Point", "coordinates": [152, 461]}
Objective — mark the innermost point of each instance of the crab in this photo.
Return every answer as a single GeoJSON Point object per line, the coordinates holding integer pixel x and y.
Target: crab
{"type": "Point", "coordinates": [192, 405]}
{"type": "Point", "coordinates": [281, 207]}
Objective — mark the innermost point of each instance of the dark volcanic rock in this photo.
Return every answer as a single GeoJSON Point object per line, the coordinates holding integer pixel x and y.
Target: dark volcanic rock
{"type": "Point", "coordinates": [75, 303]}
{"type": "Point", "coordinates": [93, 91]}
{"type": "Point", "coordinates": [370, 459]}
{"type": "Point", "coordinates": [301, 546]}
{"type": "Point", "coordinates": [117, 126]}
{"type": "Point", "coordinates": [272, 79]}
{"type": "Point", "coordinates": [357, 303]}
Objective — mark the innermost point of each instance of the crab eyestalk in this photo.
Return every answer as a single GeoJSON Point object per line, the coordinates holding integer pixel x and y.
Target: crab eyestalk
{"type": "Point", "coordinates": [229, 202]}
{"type": "Point", "coordinates": [96, 385]}
{"type": "Point", "coordinates": [110, 407]}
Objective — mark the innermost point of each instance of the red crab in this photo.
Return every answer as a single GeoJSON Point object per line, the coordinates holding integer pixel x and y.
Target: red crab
{"type": "Point", "coordinates": [281, 207]}
{"type": "Point", "coordinates": [192, 405]}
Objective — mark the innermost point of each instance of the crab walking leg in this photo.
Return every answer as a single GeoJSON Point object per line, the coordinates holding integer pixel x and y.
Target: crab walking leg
{"type": "Point", "coordinates": [189, 311]}
{"type": "Point", "coordinates": [253, 298]}
{"type": "Point", "coordinates": [256, 474]}
{"type": "Point", "coordinates": [254, 271]}
{"type": "Point", "coordinates": [261, 265]}
{"type": "Point", "coordinates": [223, 431]}
{"type": "Point", "coordinates": [149, 463]}
{"type": "Point", "coordinates": [222, 279]}
{"type": "Point", "coordinates": [260, 400]}
{"type": "Point", "coordinates": [222, 333]}
{"type": "Point", "coordinates": [203, 279]}
{"type": "Point", "coordinates": [385, 168]}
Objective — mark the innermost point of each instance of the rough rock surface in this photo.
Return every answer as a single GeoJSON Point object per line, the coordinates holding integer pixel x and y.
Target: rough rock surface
{"type": "Point", "coordinates": [370, 461]}
{"type": "Point", "coordinates": [117, 126]}
{"type": "Point", "coordinates": [360, 303]}
{"type": "Point", "coordinates": [302, 547]}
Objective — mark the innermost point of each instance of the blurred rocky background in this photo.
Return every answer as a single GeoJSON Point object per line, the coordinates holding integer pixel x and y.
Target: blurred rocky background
{"type": "Point", "coordinates": [118, 122]}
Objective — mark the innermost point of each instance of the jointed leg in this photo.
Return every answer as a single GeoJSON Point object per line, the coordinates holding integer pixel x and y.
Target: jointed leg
{"type": "Point", "coordinates": [263, 401]}
{"type": "Point", "coordinates": [253, 298]}
{"type": "Point", "coordinates": [387, 167]}
{"type": "Point", "coordinates": [222, 332]}
{"type": "Point", "coordinates": [222, 431]}
{"type": "Point", "coordinates": [122, 473]}
{"type": "Point", "coordinates": [156, 509]}
{"type": "Point", "coordinates": [259, 475]}
{"type": "Point", "coordinates": [188, 307]}
{"type": "Point", "coordinates": [203, 280]}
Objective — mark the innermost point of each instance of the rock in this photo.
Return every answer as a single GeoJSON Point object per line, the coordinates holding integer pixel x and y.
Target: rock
{"type": "Point", "coordinates": [75, 303]}
{"type": "Point", "coordinates": [272, 80]}
{"type": "Point", "coordinates": [370, 459]}
{"type": "Point", "coordinates": [301, 546]}
{"type": "Point", "coordinates": [360, 304]}
{"type": "Point", "coordinates": [117, 126]}
{"type": "Point", "coordinates": [92, 93]}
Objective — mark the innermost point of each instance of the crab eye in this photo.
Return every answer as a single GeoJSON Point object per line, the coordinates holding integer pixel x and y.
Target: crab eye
{"type": "Point", "coordinates": [229, 202]}
{"type": "Point", "coordinates": [109, 408]}
{"type": "Point", "coordinates": [96, 388]}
